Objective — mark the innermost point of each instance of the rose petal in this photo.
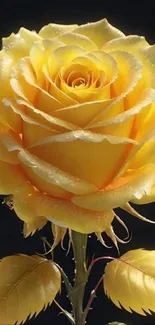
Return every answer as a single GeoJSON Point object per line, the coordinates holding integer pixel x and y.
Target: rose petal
{"type": "Point", "coordinates": [53, 30]}
{"type": "Point", "coordinates": [133, 185]}
{"type": "Point", "coordinates": [147, 57]}
{"type": "Point", "coordinates": [12, 181]}
{"type": "Point", "coordinates": [39, 54]}
{"type": "Point", "coordinates": [23, 37]}
{"type": "Point", "coordinates": [147, 137]}
{"type": "Point", "coordinates": [130, 72]}
{"type": "Point", "coordinates": [131, 44]}
{"type": "Point", "coordinates": [29, 36]}
{"type": "Point", "coordinates": [76, 39]}
{"type": "Point", "coordinates": [82, 113]}
{"type": "Point", "coordinates": [43, 100]}
{"type": "Point", "coordinates": [24, 116]}
{"type": "Point", "coordinates": [56, 92]}
{"type": "Point", "coordinates": [10, 144]}
{"type": "Point", "coordinates": [49, 120]}
{"type": "Point", "coordinates": [61, 212]}
{"type": "Point", "coordinates": [7, 116]}
{"type": "Point", "coordinates": [145, 155]}
{"type": "Point", "coordinates": [29, 204]}
{"type": "Point", "coordinates": [99, 32]}
{"type": "Point", "coordinates": [139, 112]}
{"type": "Point", "coordinates": [84, 154]}
{"type": "Point", "coordinates": [108, 65]}
{"type": "Point", "coordinates": [53, 175]}
{"type": "Point", "coordinates": [83, 135]}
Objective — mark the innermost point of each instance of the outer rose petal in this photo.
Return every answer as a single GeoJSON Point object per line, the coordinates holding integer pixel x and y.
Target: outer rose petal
{"type": "Point", "coordinates": [61, 212]}
{"type": "Point", "coordinates": [48, 174]}
{"type": "Point", "coordinates": [147, 198]}
{"type": "Point", "coordinates": [12, 181]}
{"type": "Point", "coordinates": [24, 38]}
{"type": "Point", "coordinates": [51, 31]}
{"type": "Point", "coordinates": [85, 154]}
{"type": "Point", "coordinates": [131, 44]}
{"type": "Point", "coordinates": [10, 144]}
{"type": "Point", "coordinates": [76, 39]}
{"type": "Point", "coordinates": [133, 185]}
{"type": "Point", "coordinates": [30, 204]}
{"type": "Point", "coordinates": [41, 98]}
{"type": "Point", "coordinates": [99, 32]}
{"type": "Point", "coordinates": [7, 117]}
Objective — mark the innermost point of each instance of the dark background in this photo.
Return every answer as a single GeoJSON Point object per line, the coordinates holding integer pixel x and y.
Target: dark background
{"type": "Point", "coordinates": [132, 17]}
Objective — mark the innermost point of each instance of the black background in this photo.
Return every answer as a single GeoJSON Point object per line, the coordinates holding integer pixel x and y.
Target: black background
{"type": "Point", "coordinates": [132, 17]}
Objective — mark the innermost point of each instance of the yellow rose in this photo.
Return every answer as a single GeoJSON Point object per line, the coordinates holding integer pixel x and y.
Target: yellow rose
{"type": "Point", "coordinates": [77, 123]}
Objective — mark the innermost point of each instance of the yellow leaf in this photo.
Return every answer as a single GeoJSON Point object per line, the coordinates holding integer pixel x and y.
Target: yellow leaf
{"type": "Point", "coordinates": [27, 285]}
{"type": "Point", "coordinates": [31, 228]}
{"type": "Point", "coordinates": [129, 281]}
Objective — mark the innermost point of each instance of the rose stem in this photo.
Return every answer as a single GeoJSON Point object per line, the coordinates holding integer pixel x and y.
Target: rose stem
{"type": "Point", "coordinates": [79, 242]}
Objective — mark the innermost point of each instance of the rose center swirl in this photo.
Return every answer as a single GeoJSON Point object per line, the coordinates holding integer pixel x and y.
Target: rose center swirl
{"type": "Point", "coordinates": [78, 76]}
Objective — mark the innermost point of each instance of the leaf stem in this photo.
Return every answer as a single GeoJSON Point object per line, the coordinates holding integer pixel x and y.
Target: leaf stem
{"type": "Point", "coordinates": [99, 259]}
{"type": "Point", "coordinates": [65, 312]}
{"type": "Point", "coordinates": [92, 296]}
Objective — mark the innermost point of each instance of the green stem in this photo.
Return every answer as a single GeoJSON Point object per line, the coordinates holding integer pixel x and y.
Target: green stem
{"type": "Point", "coordinates": [79, 242]}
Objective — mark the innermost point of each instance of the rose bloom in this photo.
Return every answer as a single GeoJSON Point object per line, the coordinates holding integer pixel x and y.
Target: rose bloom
{"type": "Point", "coordinates": [77, 123]}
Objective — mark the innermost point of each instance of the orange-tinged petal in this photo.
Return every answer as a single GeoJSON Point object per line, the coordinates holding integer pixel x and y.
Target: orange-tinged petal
{"type": "Point", "coordinates": [61, 212]}
{"type": "Point", "coordinates": [99, 32]}
{"type": "Point", "coordinates": [53, 175]}
{"type": "Point", "coordinates": [133, 185]}
{"type": "Point", "coordinates": [83, 154]}
{"type": "Point", "coordinates": [53, 30]}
